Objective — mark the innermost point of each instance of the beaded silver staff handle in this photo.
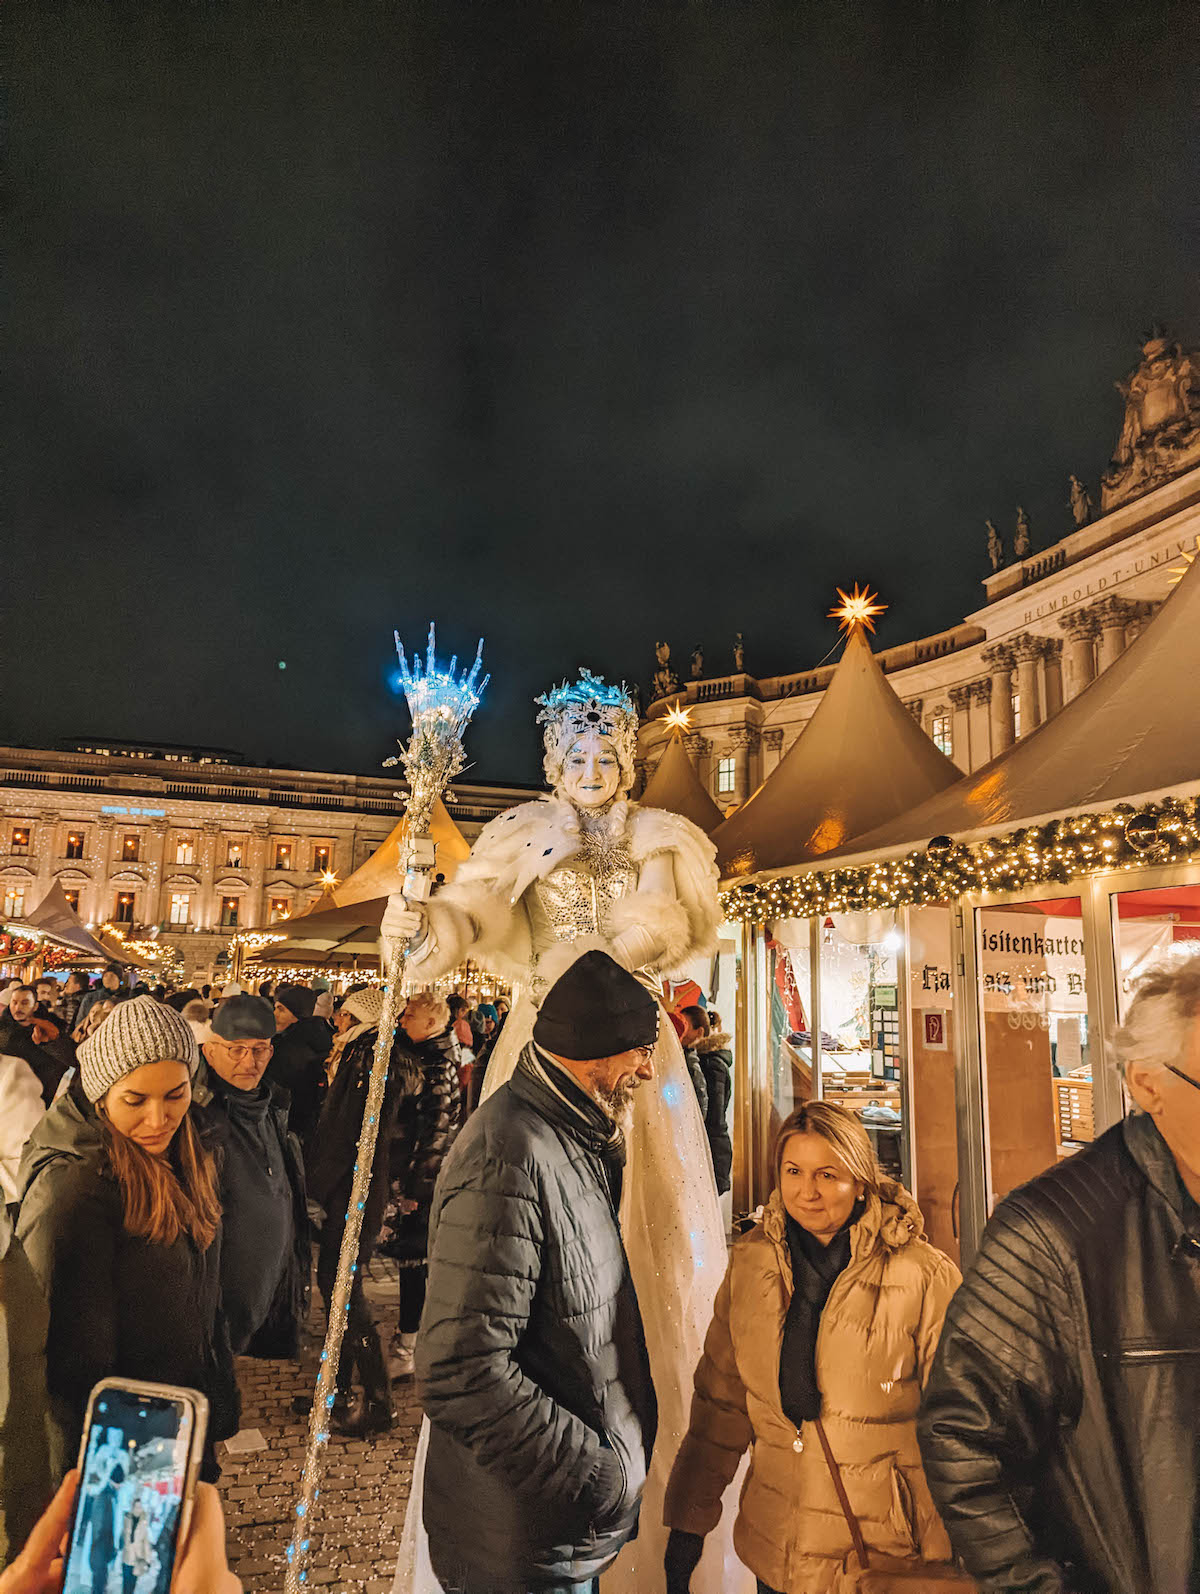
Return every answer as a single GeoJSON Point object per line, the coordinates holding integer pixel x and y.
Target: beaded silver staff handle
{"type": "Point", "coordinates": [441, 703]}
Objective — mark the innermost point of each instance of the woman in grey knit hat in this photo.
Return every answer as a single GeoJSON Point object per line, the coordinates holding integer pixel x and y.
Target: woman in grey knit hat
{"type": "Point", "coordinates": [120, 1220]}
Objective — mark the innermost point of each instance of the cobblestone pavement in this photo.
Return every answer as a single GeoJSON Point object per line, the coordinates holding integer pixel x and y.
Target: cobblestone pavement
{"type": "Point", "coordinates": [356, 1531]}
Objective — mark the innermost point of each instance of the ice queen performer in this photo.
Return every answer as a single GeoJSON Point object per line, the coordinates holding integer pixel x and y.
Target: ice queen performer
{"type": "Point", "coordinates": [580, 868]}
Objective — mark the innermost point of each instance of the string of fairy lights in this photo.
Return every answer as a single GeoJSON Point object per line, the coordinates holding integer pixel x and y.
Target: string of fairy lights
{"type": "Point", "coordinates": [1120, 838]}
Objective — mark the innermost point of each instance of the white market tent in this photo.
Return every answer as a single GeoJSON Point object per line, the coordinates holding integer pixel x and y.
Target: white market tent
{"type": "Point", "coordinates": [379, 875]}
{"type": "Point", "coordinates": [861, 760]}
{"type": "Point", "coordinates": [676, 787]}
{"type": "Point", "coordinates": [1133, 734]}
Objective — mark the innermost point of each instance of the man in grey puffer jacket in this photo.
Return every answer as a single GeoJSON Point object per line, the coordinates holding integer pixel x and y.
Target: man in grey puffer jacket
{"type": "Point", "coordinates": [531, 1362]}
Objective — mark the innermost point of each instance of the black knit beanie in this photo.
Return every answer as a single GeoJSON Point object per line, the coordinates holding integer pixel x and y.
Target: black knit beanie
{"type": "Point", "coordinates": [596, 1009]}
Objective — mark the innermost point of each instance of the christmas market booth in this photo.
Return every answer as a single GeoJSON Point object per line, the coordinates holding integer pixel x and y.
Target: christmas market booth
{"type": "Point", "coordinates": [964, 963]}
{"type": "Point", "coordinates": [54, 939]}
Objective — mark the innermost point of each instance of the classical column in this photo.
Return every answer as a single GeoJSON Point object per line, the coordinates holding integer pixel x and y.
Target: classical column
{"type": "Point", "coordinates": [1080, 627]}
{"type": "Point", "coordinates": [207, 912]}
{"type": "Point", "coordinates": [154, 909]}
{"type": "Point", "coordinates": [772, 750]}
{"type": "Point", "coordinates": [960, 723]}
{"type": "Point", "coordinates": [1146, 610]}
{"type": "Point", "coordinates": [1027, 650]}
{"type": "Point", "coordinates": [1113, 614]}
{"type": "Point", "coordinates": [641, 769]}
{"type": "Point", "coordinates": [999, 660]}
{"type": "Point", "coordinates": [914, 705]}
{"type": "Point", "coordinates": [1052, 673]}
{"type": "Point", "coordinates": [981, 723]}
{"type": "Point", "coordinates": [698, 748]}
{"type": "Point", "coordinates": [742, 742]}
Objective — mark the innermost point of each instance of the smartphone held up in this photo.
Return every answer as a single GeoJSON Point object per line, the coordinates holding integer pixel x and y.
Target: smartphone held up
{"type": "Point", "coordinates": [138, 1465]}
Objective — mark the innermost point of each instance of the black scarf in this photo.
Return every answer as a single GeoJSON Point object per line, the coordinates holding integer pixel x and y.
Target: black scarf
{"type": "Point", "coordinates": [580, 1113]}
{"type": "Point", "coordinates": [815, 1270]}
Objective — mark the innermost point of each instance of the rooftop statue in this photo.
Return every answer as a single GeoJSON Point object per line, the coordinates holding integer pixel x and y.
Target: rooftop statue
{"type": "Point", "coordinates": [1022, 541]}
{"type": "Point", "coordinates": [1160, 432]}
{"type": "Point", "coordinates": [995, 547]}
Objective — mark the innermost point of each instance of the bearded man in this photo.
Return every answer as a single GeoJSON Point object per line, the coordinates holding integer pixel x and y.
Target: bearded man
{"type": "Point", "coordinates": [531, 1362]}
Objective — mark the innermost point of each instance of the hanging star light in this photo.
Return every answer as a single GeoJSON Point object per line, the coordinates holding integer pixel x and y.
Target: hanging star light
{"type": "Point", "coordinates": [857, 609]}
{"type": "Point", "coordinates": [679, 719]}
{"type": "Point", "coordinates": [1178, 572]}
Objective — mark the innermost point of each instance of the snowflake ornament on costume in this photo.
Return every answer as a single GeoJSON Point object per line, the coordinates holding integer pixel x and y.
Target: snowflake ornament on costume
{"type": "Point", "coordinates": [584, 867]}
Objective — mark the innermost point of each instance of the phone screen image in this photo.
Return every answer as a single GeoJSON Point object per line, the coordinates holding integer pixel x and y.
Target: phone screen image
{"type": "Point", "coordinates": [130, 1495]}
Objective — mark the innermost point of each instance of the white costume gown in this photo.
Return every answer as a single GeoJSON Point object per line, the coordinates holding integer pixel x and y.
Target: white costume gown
{"type": "Point", "coordinates": [670, 1217]}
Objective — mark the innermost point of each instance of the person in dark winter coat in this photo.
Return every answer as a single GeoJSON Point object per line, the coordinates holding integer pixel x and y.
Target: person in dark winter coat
{"type": "Point", "coordinates": [531, 1361]}
{"type": "Point", "coordinates": [302, 1045]}
{"type": "Point", "coordinates": [716, 1061]}
{"type": "Point", "coordinates": [265, 1244]}
{"type": "Point", "coordinates": [120, 1220]}
{"type": "Point", "coordinates": [426, 1125]}
{"type": "Point", "coordinates": [36, 1040]}
{"type": "Point", "coordinates": [24, 1453]}
{"type": "Point", "coordinates": [680, 1025]}
{"type": "Point", "coordinates": [111, 984]}
{"type": "Point", "coordinates": [1059, 1428]}
{"type": "Point", "coordinates": [333, 1153]}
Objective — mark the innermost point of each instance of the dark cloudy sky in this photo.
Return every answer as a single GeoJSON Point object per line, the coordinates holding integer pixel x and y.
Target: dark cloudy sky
{"type": "Point", "coordinates": [570, 324]}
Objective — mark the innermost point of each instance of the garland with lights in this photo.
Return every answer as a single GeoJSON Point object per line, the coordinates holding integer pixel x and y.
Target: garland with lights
{"type": "Point", "coordinates": [1056, 853]}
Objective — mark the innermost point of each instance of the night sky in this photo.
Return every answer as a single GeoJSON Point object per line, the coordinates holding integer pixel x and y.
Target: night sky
{"type": "Point", "coordinates": [576, 325]}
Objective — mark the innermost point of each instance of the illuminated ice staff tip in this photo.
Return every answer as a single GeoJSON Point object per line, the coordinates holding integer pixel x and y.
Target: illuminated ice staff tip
{"type": "Point", "coordinates": [440, 690]}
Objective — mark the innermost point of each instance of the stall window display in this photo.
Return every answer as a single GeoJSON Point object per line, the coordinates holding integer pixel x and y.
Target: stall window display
{"type": "Point", "coordinates": [933, 1086]}
{"type": "Point", "coordinates": [1034, 1042]}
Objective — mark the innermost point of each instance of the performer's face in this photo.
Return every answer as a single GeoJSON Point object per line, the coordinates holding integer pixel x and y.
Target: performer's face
{"type": "Point", "coordinates": [591, 772]}
{"type": "Point", "coordinates": [815, 1186]}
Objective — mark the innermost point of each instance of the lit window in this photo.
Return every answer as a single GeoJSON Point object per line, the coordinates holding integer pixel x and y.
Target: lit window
{"type": "Point", "coordinates": [72, 900]}
{"type": "Point", "coordinates": [20, 839]}
{"type": "Point", "coordinates": [1016, 700]}
{"type": "Point", "coordinates": [280, 908]}
{"type": "Point", "coordinates": [75, 844]}
{"type": "Point", "coordinates": [321, 857]}
{"type": "Point", "coordinates": [942, 738]}
{"type": "Point", "coordinates": [726, 778]}
{"type": "Point", "coordinates": [180, 903]}
{"type": "Point", "coordinates": [229, 913]}
{"type": "Point", "coordinates": [185, 850]}
{"type": "Point", "coordinates": [283, 855]}
{"type": "Point", "coordinates": [233, 857]}
{"type": "Point", "coordinates": [14, 901]}
{"type": "Point", "coordinates": [129, 849]}
{"type": "Point", "coordinates": [124, 913]}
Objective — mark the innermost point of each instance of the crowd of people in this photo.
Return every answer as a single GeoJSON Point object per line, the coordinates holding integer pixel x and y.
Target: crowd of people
{"type": "Point", "coordinates": [171, 1162]}
{"type": "Point", "coordinates": [1031, 1427]}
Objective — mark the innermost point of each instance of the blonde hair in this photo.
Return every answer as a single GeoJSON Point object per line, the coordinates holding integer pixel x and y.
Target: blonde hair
{"type": "Point", "coordinates": [434, 1007]}
{"type": "Point", "coordinates": [844, 1133]}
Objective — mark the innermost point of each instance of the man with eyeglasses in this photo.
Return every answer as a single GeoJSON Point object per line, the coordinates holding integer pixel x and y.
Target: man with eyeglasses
{"type": "Point", "coordinates": [265, 1244]}
{"type": "Point", "coordinates": [1060, 1428]}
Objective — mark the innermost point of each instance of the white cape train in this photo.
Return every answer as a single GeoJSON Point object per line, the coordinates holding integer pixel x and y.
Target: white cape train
{"type": "Point", "coordinates": [675, 1240]}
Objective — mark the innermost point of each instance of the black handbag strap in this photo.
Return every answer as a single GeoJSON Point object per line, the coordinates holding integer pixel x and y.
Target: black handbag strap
{"type": "Point", "coordinates": [856, 1534]}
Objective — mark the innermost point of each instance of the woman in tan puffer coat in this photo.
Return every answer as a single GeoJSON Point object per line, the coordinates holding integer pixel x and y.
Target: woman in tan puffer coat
{"type": "Point", "coordinates": [852, 1343]}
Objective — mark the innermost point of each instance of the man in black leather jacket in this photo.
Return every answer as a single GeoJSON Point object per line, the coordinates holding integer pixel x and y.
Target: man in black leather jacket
{"type": "Point", "coordinates": [1060, 1428]}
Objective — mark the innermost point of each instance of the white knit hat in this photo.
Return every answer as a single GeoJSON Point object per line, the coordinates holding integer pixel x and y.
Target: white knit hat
{"type": "Point", "coordinates": [365, 1005]}
{"type": "Point", "coordinates": [136, 1032]}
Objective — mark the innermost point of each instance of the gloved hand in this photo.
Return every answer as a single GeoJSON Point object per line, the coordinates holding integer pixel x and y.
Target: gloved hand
{"type": "Point", "coordinates": [681, 1560]}
{"type": "Point", "coordinates": [402, 919]}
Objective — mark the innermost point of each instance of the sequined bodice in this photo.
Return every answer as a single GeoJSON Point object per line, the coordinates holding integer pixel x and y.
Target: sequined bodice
{"type": "Point", "coordinates": [577, 898]}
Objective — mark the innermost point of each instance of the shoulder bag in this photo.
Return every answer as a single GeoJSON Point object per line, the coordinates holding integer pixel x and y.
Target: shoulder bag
{"type": "Point", "coordinates": [875, 1573]}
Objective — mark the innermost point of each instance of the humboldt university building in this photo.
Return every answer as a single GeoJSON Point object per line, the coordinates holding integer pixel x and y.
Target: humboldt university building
{"type": "Point", "coordinates": [1050, 623]}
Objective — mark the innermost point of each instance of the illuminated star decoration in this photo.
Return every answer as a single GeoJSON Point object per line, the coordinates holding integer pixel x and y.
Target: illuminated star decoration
{"type": "Point", "coordinates": [1179, 571]}
{"type": "Point", "coordinates": [329, 879]}
{"type": "Point", "coordinates": [679, 719]}
{"type": "Point", "coordinates": [857, 609]}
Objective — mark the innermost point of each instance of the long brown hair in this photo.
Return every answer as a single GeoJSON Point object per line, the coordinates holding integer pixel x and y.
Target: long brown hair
{"type": "Point", "coordinates": [162, 1199]}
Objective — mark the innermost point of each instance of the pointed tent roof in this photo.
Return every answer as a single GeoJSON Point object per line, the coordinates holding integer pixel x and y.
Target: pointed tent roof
{"type": "Point", "coordinates": [859, 761]}
{"type": "Point", "coordinates": [55, 917]}
{"type": "Point", "coordinates": [676, 786]}
{"type": "Point", "coordinates": [379, 875]}
{"type": "Point", "coordinates": [1134, 732]}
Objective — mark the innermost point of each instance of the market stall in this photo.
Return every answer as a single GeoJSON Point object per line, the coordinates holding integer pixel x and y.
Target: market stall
{"type": "Point", "coordinates": [824, 999]}
{"type": "Point", "coordinates": [1025, 899]}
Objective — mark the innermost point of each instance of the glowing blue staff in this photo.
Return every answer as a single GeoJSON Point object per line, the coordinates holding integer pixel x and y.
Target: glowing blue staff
{"type": "Point", "coordinates": [441, 705]}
